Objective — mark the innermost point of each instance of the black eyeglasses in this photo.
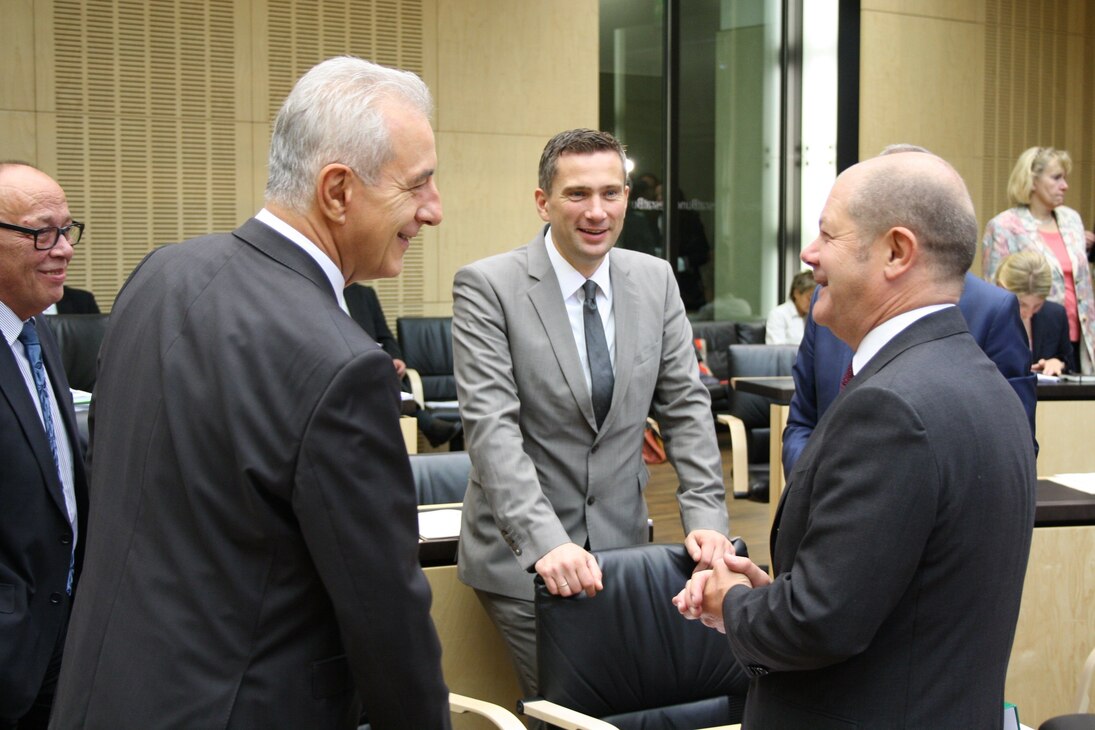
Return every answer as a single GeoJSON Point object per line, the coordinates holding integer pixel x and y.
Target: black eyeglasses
{"type": "Point", "coordinates": [46, 238]}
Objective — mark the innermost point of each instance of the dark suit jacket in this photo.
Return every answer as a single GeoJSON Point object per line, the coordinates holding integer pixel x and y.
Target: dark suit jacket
{"type": "Point", "coordinates": [77, 301]}
{"type": "Point", "coordinates": [35, 535]}
{"type": "Point", "coordinates": [1049, 335]}
{"type": "Point", "coordinates": [899, 549]}
{"type": "Point", "coordinates": [364, 306]}
{"type": "Point", "coordinates": [992, 315]}
{"type": "Point", "coordinates": [254, 558]}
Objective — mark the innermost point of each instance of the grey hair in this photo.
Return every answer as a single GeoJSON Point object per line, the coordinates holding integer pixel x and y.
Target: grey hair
{"type": "Point", "coordinates": [335, 113]}
{"type": "Point", "coordinates": [936, 207]}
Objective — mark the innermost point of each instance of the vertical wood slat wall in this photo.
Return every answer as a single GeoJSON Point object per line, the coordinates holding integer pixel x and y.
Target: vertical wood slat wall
{"type": "Point", "coordinates": [1039, 91]}
{"type": "Point", "coordinates": [148, 145]}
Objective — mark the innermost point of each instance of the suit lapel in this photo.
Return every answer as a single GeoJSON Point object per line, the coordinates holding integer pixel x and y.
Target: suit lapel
{"type": "Point", "coordinates": [548, 303]}
{"type": "Point", "coordinates": [18, 396]}
{"type": "Point", "coordinates": [625, 305]}
{"type": "Point", "coordinates": [281, 249]}
{"type": "Point", "coordinates": [944, 323]}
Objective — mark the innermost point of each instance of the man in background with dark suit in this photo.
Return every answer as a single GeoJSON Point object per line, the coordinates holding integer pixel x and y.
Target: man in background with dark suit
{"type": "Point", "coordinates": [900, 544]}
{"type": "Point", "coordinates": [43, 489]}
{"type": "Point", "coordinates": [254, 562]}
{"type": "Point", "coordinates": [364, 307]}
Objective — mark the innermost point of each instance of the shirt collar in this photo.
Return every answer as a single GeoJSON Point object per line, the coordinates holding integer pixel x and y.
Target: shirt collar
{"type": "Point", "coordinates": [10, 324]}
{"type": "Point", "coordinates": [334, 276]}
{"type": "Point", "coordinates": [877, 338]}
{"type": "Point", "coordinates": [570, 280]}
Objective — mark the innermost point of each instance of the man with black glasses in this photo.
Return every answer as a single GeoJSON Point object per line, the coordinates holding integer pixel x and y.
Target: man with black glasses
{"type": "Point", "coordinates": [43, 489]}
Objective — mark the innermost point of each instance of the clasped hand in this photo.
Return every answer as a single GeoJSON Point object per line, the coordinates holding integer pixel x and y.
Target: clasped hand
{"type": "Point", "coordinates": [702, 597]}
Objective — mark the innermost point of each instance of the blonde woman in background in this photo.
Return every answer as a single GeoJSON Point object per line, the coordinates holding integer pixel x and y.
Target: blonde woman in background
{"type": "Point", "coordinates": [1039, 221]}
{"type": "Point", "coordinates": [1027, 275]}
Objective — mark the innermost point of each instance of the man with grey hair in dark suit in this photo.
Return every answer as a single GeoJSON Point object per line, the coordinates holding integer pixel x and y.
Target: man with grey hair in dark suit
{"type": "Point", "coordinates": [900, 543]}
{"type": "Point", "coordinates": [254, 559]}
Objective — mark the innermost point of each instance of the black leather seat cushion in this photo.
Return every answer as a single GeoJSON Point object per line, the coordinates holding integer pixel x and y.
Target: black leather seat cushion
{"type": "Point", "coordinates": [441, 477]}
{"type": "Point", "coordinates": [79, 336]}
{"type": "Point", "coordinates": [627, 656]}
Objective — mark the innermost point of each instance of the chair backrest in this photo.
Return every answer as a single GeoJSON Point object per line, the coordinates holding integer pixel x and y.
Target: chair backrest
{"type": "Point", "coordinates": [427, 347]}
{"type": "Point", "coordinates": [756, 360]}
{"type": "Point", "coordinates": [442, 477]}
{"type": "Point", "coordinates": [626, 655]}
{"type": "Point", "coordinates": [79, 337]}
{"type": "Point", "coordinates": [720, 334]}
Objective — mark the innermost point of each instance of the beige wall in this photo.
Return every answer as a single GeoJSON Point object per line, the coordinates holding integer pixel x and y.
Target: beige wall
{"type": "Point", "coordinates": [156, 120]}
{"type": "Point", "coordinates": [979, 81]}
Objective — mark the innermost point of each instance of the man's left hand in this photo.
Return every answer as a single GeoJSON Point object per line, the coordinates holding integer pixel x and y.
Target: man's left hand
{"type": "Point", "coordinates": [707, 547]}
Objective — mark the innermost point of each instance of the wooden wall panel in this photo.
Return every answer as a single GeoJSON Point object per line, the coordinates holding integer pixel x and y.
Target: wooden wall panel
{"type": "Point", "coordinates": [517, 68]}
{"type": "Point", "coordinates": [978, 82]}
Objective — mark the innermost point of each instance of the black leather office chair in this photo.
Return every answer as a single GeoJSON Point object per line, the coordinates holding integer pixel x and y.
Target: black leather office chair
{"type": "Point", "coordinates": [748, 415]}
{"type": "Point", "coordinates": [627, 657]}
{"type": "Point", "coordinates": [426, 343]}
{"type": "Point", "coordinates": [79, 336]}
{"type": "Point", "coordinates": [442, 477]}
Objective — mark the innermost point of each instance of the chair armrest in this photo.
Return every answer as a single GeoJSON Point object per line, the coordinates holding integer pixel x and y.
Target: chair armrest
{"type": "Point", "coordinates": [560, 716]}
{"type": "Point", "coordinates": [1083, 696]}
{"type": "Point", "coordinates": [739, 455]}
{"type": "Point", "coordinates": [415, 381]}
{"type": "Point", "coordinates": [500, 716]}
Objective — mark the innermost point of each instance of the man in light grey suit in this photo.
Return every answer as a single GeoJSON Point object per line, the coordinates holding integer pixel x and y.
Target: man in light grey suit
{"type": "Point", "coordinates": [554, 475]}
{"type": "Point", "coordinates": [254, 559]}
{"type": "Point", "coordinates": [900, 544]}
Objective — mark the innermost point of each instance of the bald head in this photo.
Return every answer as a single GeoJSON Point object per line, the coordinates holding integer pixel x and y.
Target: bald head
{"type": "Point", "coordinates": [923, 193]}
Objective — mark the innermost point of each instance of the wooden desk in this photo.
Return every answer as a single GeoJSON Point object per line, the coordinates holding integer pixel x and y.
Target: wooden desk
{"type": "Point", "coordinates": [1056, 628]}
{"type": "Point", "coordinates": [1063, 424]}
{"type": "Point", "coordinates": [780, 389]}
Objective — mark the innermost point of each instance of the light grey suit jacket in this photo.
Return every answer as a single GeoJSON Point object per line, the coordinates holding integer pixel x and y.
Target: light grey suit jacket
{"type": "Point", "coordinates": [542, 474]}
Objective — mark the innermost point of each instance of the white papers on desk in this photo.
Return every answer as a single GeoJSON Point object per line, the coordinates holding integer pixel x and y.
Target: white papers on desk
{"type": "Point", "coordinates": [1048, 378]}
{"type": "Point", "coordinates": [1079, 482]}
{"type": "Point", "coordinates": [438, 524]}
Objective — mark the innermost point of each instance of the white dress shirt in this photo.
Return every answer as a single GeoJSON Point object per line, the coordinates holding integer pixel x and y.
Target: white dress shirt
{"type": "Point", "coordinates": [570, 286]}
{"type": "Point", "coordinates": [877, 338]}
{"type": "Point", "coordinates": [332, 272]}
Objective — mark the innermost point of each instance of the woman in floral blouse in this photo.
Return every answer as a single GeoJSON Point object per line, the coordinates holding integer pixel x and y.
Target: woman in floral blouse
{"type": "Point", "coordinates": [1040, 222]}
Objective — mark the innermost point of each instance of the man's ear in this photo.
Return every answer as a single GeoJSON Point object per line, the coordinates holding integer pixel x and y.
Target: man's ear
{"type": "Point", "coordinates": [541, 204]}
{"type": "Point", "coordinates": [903, 249]}
{"type": "Point", "coordinates": [334, 188]}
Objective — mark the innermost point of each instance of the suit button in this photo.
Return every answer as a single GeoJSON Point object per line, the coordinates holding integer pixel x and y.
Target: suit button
{"type": "Point", "coordinates": [757, 671]}
{"type": "Point", "coordinates": [590, 501]}
{"type": "Point", "coordinates": [54, 598]}
{"type": "Point", "coordinates": [594, 449]}
{"type": "Point", "coordinates": [66, 539]}
{"type": "Point", "coordinates": [517, 551]}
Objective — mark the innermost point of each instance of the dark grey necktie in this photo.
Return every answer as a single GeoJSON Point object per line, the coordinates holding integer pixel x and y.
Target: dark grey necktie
{"type": "Point", "coordinates": [600, 365]}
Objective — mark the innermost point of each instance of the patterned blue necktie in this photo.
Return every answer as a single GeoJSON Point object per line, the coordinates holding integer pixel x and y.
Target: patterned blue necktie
{"type": "Point", "coordinates": [29, 338]}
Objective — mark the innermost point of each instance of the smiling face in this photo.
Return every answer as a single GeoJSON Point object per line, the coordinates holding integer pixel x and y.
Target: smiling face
{"type": "Point", "coordinates": [383, 217]}
{"type": "Point", "coordinates": [31, 280]}
{"type": "Point", "coordinates": [844, 266]}
{"type": "Point", "coordinates": [585, 207]}
{"type": "Point", "coordinates": [1050, 186]}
